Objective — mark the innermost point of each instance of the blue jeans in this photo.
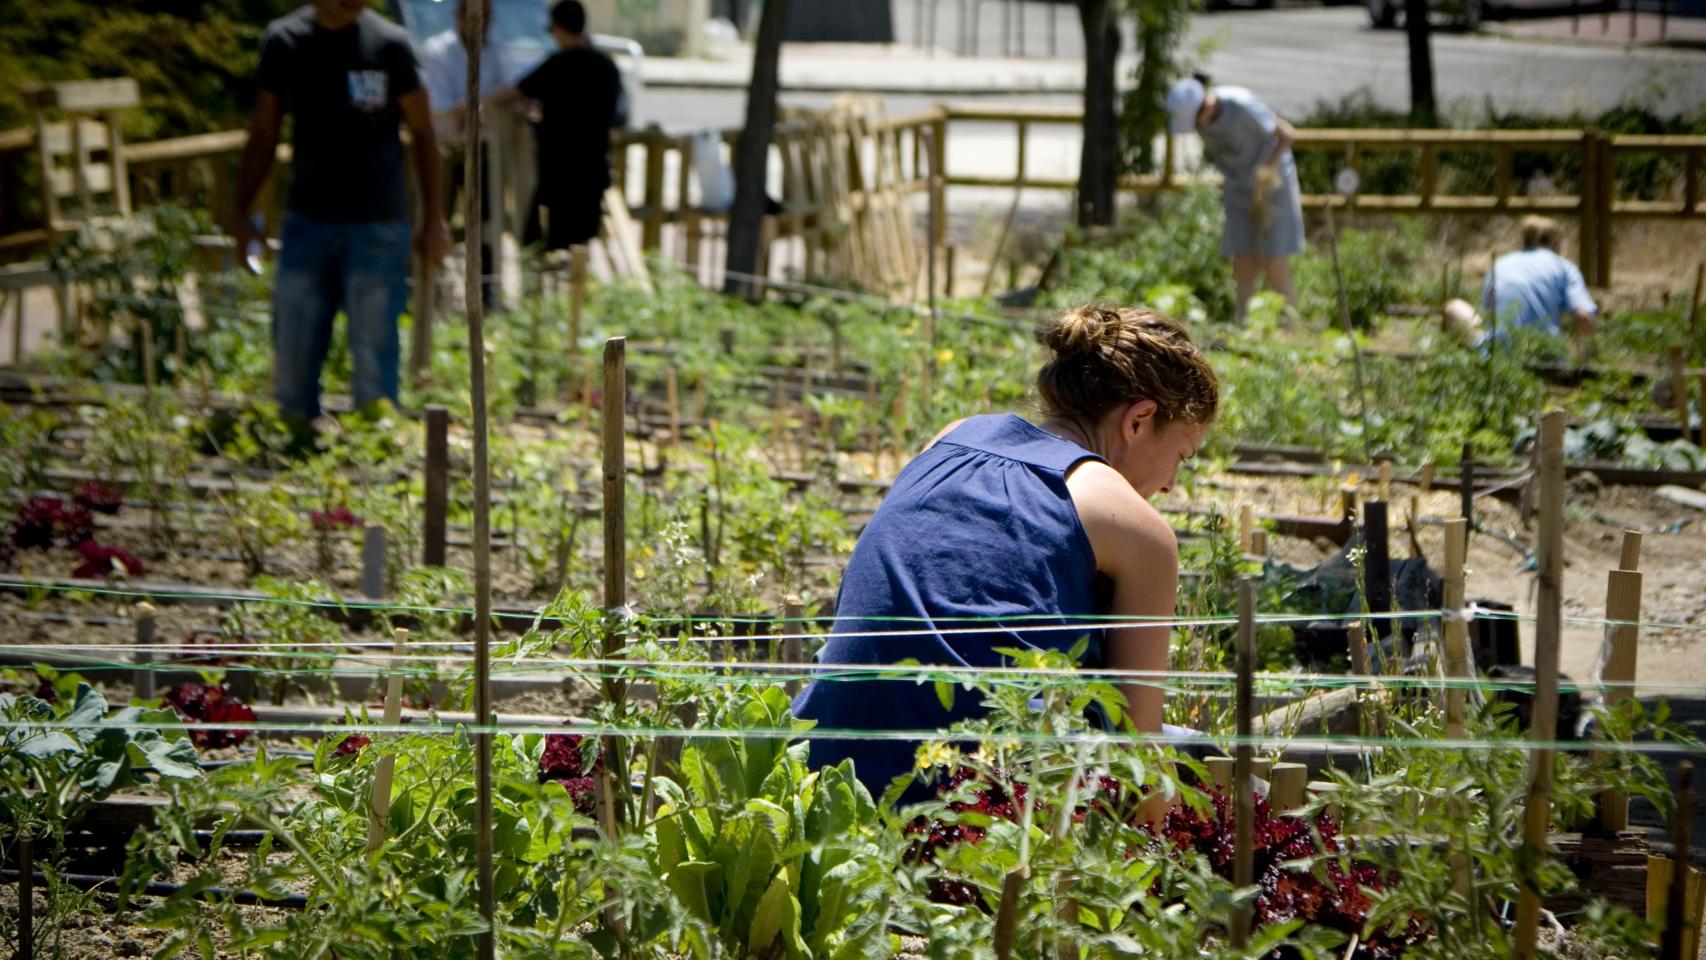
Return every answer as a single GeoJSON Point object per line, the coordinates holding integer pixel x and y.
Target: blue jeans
{"type": "Point", "coordinates": [362, 268]}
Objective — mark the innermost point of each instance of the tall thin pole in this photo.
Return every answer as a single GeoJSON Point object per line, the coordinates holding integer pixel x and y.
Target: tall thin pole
{"type": "Point", "coordinates": [486, 945]}
{"type": "Point", "coordinates": [1350, 333]}
{"type": "Point", "coordinates": [1674, 943]}
{"type": "Point", "coordinates": [1548, 612]}
{"type": "Point", "coordinates": [1244, 809]}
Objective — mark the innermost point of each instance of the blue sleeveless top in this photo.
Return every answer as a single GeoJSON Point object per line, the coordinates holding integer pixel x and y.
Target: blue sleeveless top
{"type": "Point", "coordinates": [977, 528]}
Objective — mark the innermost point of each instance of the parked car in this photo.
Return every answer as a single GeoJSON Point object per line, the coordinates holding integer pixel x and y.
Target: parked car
{"type": "Point", "coordinates": [1465, 14]}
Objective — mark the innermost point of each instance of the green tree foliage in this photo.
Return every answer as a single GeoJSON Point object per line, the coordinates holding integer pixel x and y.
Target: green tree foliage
{"type": "Point", "coordinates": [194, 59]}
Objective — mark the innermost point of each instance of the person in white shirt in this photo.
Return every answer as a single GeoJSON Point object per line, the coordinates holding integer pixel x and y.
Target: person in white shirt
{"type": "Point", "coordinates": [444, 71]}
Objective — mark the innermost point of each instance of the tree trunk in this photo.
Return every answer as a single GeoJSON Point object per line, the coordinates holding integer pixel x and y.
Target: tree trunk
{"type": "Point", "coordinates": [1098, 165]}
{"type": "Point", "coordinates": [1422, 110]}
{"type": "Point", "coordinates": [752, 151]}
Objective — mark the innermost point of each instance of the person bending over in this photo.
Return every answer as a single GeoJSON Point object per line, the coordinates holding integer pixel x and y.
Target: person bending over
{"type": "Point", "coordinates": [1001, 519]}
{"type": "Point", "coordinates": [1251, 147]}
{"type": "Point", "coordinates": [1531, 287]}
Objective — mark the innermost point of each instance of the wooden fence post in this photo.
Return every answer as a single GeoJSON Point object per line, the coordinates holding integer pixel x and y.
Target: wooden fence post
{"type": "Point", "coordinates": [437, 485]}
{"type": "Point", "coordinates": [1605, 197]}
{"type": "Point", "coordinates": [1537, 815]}
{"type": "Point", "coordinates": [1587, 233]}
{"type": "Point", "coordinates": [1622, 636]}
{"type": "Point", "coordinates": [651, 234]}
{"type": "Point", "coordinates": [793, 648]}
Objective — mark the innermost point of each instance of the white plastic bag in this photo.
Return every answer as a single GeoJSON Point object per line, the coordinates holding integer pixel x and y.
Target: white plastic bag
{"type": "Point", "coordinates": [716, 180]}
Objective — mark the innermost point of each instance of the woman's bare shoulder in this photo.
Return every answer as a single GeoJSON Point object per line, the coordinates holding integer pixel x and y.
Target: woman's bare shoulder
{"type": "Point", "coordinates": [1121, 525]}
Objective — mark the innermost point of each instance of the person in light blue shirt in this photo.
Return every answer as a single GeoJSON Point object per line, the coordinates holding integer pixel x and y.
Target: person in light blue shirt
{"type": "Point", "coordinates": [1251, 147]}
{"type": "Point", "coordinates": [1531, 287]}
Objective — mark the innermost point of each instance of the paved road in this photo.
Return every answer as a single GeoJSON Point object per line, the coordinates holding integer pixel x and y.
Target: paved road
{"type": "Point", "coordinates": [1293, 58]}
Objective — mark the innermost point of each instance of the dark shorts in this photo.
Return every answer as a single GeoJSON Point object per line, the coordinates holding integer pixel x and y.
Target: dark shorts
{"type": "Point", "coordinates": [564, 221]}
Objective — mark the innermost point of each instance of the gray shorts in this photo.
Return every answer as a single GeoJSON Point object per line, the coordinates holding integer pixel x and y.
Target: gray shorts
{"type": "Point", "coordinates": [1283, 236]}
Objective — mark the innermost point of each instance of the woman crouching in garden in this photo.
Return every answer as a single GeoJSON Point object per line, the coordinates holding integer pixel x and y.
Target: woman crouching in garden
{"type": "Point", "coordinates": [1001, 521]}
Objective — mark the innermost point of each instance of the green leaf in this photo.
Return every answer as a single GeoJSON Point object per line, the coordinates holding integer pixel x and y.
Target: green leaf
{"type": "Point", "coordinates": [47, 743]}
{"type": "Point", "coordinates": [776, 916]}
{"type": "Point", "coordinates": [699, 886]}
{"type": "Point", "coordinates": [945, 694]}
{"type": "Point", "coordinates": [168, 758]}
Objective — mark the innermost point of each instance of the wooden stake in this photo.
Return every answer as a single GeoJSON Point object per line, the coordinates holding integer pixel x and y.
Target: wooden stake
{"type": "Point", "coordinates": [437, 485]}
{"type": "Point", "coordinates": [1377, 564]}
{"type": "Point", "coordinates": [1676, 943]}
{"type": "Point", "coordinates": [615, 545]}
{"type": "Point", "coordinates": [1547, 623]}
{"type": "Point", "coordinates": [1350, 333]}
{"type": "Point", "coordinates": [672, 401]}
{"type": "Point", "coordinates": [372, 561]}
{"type": "Point", "coordinates": [380, 804]}
{"type": "Point", "coordinates": [1244, 864]}
{"type": "Point", "coordinates": [142, 679]}
{"type": "Point", "coordinates": [1427, 478]}
{"type": "Point", "coordinates": [1629, 553]}
{"type": "Point", "coordinates": [1679, 395]}
{"type": "Point", "coordinates": [1286, 789]}
{"type": "Point", "coordinates": [420, 339]}
{"type": "Point", "coordinates": [1466, 486]}
{"type": "Point", "coordinates": [1259, 543]}
{"type": "Point", "coordinates": [1694, 302]}
{"type": "Point", "coordinates": [1220, 771]}
{"type": "Point", "coordinates": [1456, 628]}
{"type": "Point", "coordinates": [1246, 523]}
{"type": "Point", "coordinates": [1622, 641]}
{"type": "Point", "coordinates": [793, 650]}
{"type": "Point", "coordinates": [1357, 641]}
{"type": "Point", "coordinates": [473, 282]}
{"type": "Point", "coordinates": [1456, 669]}
{"type": "Point", "coordinates": [1386, 481]}
{"type": "Point", "coordinates": [26, 896]}
{"type": "Point", "coordinates": [1700, 436]}
{"type": "Point", "coordinates": [577, 295]}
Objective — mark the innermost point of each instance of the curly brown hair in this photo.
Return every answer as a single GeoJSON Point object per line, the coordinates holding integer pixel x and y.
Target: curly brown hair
{"type": "Point", "coordinates": [1107, 356]}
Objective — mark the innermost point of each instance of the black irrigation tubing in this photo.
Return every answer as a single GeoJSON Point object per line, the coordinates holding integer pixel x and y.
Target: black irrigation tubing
{"type": "Point", "coordinates": [98, 884]}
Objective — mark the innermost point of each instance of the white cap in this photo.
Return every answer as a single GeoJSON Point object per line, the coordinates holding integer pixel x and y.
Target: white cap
{"type": "Point", "coordinates": [1184, 101]}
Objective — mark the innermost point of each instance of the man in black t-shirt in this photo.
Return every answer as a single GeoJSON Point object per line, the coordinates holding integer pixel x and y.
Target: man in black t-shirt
{"type": "Point", "coordinates": [577, 90]}
{"type": "Point", "coordinates": [349, 79]}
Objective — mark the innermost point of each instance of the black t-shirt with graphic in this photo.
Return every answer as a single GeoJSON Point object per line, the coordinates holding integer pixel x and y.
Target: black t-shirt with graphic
{"type": "Point", "coordinates": [577, 89]}
{"type": "Point", "coordinates": [341, 87]}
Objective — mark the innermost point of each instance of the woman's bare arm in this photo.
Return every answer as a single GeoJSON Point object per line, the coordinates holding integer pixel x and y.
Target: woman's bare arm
{"type": "Point", "coordinates": [1136, 549]}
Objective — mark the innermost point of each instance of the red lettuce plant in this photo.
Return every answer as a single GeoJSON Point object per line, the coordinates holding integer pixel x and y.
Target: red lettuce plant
{"type": "Point", "coordinates": [562, 762]}
{"type": "Point", "coordinates": [42, 520]}
{"type": "Point", "coordinates": [210, 703]}
{"type": "Point", "coordinates": [99, 497]}
{"type": "Point", "coordinates": [100, 561]}
{"type": "Point", "coordinates": [1335, 893]}
{"type": "Point", "coordinates": [337, 518]}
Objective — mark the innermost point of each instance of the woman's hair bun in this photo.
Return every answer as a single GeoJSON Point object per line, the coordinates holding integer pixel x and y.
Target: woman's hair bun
{"type": "Point", "coordinates": [1079, 331]}
{"type": "Point", "coordinates": [1105, 356]}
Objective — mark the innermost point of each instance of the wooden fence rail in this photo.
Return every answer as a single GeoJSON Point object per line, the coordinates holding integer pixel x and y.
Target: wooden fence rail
{"type": "Point", "coordinates": [1597, 203]}
{"type": "Point", "coordinates": [845, 182]}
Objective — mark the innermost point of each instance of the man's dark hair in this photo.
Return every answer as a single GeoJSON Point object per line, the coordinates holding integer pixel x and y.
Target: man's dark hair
{"type": "Point", "coordinates": [569, 16]}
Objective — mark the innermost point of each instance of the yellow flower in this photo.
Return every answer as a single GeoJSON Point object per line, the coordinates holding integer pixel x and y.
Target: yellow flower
{"type": "Point", "coordinates": [639, 573]}
{"type": "Point", "coordinates": [937, 754]}
{"type": "Point", "coordinates": [944, 357]}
